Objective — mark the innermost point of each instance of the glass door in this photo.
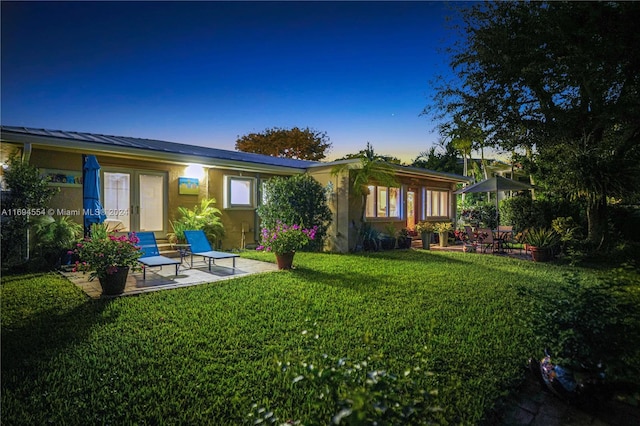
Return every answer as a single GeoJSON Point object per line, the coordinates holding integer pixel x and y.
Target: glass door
{"type": "Point", "coordinates": [135, 200]}
{"type": "Point", "coordinates": [411, 209]}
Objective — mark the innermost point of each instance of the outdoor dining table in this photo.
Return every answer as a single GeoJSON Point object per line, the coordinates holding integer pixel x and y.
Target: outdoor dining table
{"type": "Point", "coordinates": [500, 236]}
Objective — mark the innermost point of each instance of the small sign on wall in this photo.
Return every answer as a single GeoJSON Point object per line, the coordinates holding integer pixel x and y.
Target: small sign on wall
{"type": "Point", "coordinates": [188, 186]}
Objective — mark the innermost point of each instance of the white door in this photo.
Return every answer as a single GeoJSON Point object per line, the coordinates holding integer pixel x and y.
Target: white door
{"type": "Point", "coordinates": [135, 200]}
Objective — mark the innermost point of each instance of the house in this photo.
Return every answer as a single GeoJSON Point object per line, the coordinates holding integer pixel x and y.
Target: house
{"type": "Point", "coordinates": [144, 182]}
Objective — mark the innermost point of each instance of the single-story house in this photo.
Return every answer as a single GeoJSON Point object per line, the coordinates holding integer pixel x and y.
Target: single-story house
{"type": "Point", "coordinates": [144, 182]}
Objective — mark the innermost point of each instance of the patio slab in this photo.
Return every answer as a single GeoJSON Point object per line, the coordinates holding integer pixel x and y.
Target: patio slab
{"type": "Point", "coordinates": [165, 279]}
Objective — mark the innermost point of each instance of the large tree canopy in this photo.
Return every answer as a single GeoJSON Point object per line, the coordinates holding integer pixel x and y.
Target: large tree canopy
{"type": "Point", "coordinates": [562, 79]}
{"type": "Point", "coordinates": [301, 144]}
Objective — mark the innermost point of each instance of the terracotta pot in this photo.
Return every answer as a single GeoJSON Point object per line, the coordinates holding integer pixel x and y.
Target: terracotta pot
{"type": "Point", "coordinates": [285, 260]}
{"type": "Point", "coordinates": [113, 284]}
{"type": "Point", "coordinates": [540, 254]}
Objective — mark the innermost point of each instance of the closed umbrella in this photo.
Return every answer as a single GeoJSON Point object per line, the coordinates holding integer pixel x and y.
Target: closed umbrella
{"type": "Point", "coordinates": [495, 185]}
{"type": "Point", "coordinates": [92, 207]}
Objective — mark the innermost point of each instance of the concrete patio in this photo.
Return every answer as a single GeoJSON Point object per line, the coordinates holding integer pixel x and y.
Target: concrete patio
{"type": "Point", "coordinates": [165, 278]}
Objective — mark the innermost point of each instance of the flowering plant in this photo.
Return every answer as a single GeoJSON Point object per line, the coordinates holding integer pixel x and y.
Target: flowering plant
{"type": "Point", "coordinates": [424, 226]}
{"type": "Point", "coordinates": [286, 238]}
{"type": "Point", "coordinates": [103, 253]}
{"type": "Point", "coordinates": [443, 227]}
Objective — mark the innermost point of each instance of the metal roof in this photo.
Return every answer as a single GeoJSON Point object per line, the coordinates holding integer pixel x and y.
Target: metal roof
{"type": "Point", "coordinates": [157, 146]}
{"type": "Point", "coordinates": [173, 151]}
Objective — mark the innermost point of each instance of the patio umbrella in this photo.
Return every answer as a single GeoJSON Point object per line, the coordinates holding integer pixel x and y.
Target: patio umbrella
{"type": "Point", "coordinates": [495, 184]}
{"type": "Point", "coordinates": [92, 207]}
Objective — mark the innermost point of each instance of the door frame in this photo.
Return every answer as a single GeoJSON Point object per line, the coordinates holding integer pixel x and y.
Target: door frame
{"type": "Point", "coordinates": [134, 195]}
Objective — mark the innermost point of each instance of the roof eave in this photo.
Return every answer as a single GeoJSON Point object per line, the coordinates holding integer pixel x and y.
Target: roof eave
{"type": "Point", "coordinates": [169, 157]}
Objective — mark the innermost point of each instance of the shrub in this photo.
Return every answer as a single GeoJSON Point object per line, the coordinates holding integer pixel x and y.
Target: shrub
{"type": "Point", "coordinates": [297, 200]}
{"type": "Point", "coordinates": [29, 192]}
{"type": "Point", "coordinates": [204, 217]}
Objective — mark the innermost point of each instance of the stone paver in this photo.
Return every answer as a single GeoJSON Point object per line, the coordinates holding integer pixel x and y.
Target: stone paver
{"type": "Point", "coordinates": [165, 278]}
{"type": "Point", "coordinates": [532, 405]}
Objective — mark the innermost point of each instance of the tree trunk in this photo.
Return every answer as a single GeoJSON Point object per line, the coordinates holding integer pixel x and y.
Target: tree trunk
{"type": "Point", "coordinates": [597, 220]}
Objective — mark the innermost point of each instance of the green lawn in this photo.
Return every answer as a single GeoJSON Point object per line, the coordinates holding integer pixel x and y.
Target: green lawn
{"type": "Point", "coordinates": [456, 326]}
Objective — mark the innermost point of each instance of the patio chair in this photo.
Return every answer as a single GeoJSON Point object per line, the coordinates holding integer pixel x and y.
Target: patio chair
{"type": "Point", "coordinates": [151, 255]}
{"type": "Point", "coordinates": [505, 234]}
{"type": "Point", "coordinates": [486, 240]}
{"type": "Point", "coordinates": [199, 246]}
{"type": "Point", "coordinates": [471, 237]}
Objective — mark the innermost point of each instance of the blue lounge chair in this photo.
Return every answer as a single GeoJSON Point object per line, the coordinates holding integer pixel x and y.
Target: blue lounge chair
{"type": "Point", "coordinates": [199, 246]}
{"type": "Point", "coordinates": [151, 255]}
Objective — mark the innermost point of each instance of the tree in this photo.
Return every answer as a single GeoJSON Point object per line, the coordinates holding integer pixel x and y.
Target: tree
{"type": "Point", "coordinates": [297, 200]}
{"type": "Point", "coordinates": [373, 169]}
{"type": "Point", "coordinates": [440, 158]}
{"type": "Point", "coordinates": [300, 144]}
{"type": "Point", "coordinates": [30, 194]}
{"type": "Point", "coordinates": [568, 73]}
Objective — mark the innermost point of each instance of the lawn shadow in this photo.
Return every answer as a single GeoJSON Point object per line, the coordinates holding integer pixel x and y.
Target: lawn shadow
{"type": "Point", "coordinates": [47, 333]}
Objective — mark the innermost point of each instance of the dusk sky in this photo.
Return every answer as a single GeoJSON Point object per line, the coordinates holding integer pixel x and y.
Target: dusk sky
{"type": "Point", "coordinates": [204, 73]}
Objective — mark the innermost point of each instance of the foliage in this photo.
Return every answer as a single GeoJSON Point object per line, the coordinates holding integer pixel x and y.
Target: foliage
{"type": "Point", "coordinates": [424, 226]}
{"type": "Point", "coordinates": [301, 144]}
{"type": "Point", "coordinates": [102, 255]}
{"type": "Point", "coordinates": [355, 392]}
{"type": "Point", "coordinates": [542, 237]}
{"type": "Point", "coordinates": [441, 227]}
{"type": "Point", "coordinates": [571, 235]}
{"type": "Point", "coordinates": [204, 217]}
{"type": "Point", "coordinates": [591, 323]}
{"type": "Point", "coordinates": [444, 159]}
{"type": "Point", "coordinates": [29, 192]}
{"type": "Point", "coordinates": [554, 79]}
{"type": "Point", "coordinates": [298, 199]}
{"type": "Point", "coordinates": [285, 238]}
{"type": "Point", "coordinates": [52, 236]}
{"type": "Point", "coordinates": [374, 169]}
{"type": "Point", "coordinates": [67, 359]}
{"type": "Point", "coordinates": [482, 214]}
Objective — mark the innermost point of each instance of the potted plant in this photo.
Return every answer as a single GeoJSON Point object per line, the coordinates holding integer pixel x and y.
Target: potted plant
{"type": "Point", "coordinates": [108, 257]}
{"type": "Point", "coordinates": [541, 242]}
{"type": "Point", "coordinates": [443, 228]}
{"type": "Point", "coordinates": [284, 240]}
{"type": "Point", "coordinates": [425, 230]}
{"type": "Point", "coordinates": [404, 239]}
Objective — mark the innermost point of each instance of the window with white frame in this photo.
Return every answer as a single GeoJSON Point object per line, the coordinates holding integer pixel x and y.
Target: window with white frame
{"type": "Point", "coordinates": [383, 201]}
{"type": "Point", "coordinates": [239, 192]}
{"type": "Point", "coordinates": [436, 203]}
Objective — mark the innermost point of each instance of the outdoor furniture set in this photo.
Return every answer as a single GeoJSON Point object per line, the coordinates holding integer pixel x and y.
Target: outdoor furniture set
{"type": "Point", "coordinates": [197, 245]}
{"type": "Point", "coordinates": [497, 240]}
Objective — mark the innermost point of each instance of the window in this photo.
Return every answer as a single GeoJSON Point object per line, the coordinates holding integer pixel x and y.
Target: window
{"type": "Point", "coordinates": [436, 203]}
{"type": "Point", "coordinates": [383, 202]}
{"type": "Point", "coordinates": [239, 192]}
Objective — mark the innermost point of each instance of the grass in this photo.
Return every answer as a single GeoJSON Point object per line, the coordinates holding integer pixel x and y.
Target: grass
{"type": "Point", "coordinates": [458, 324]}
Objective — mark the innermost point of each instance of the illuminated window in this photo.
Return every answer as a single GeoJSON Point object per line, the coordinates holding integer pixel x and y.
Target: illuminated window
{"type": "Point", "coordinates": [436, 203]}
{"type": "Point", "coordinates": [239, 192]}
{"type": "Point", "coordinates": [383, 202]}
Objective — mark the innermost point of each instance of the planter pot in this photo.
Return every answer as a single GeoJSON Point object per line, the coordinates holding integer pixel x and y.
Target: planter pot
{"type": "Point", "coordinates": [426, 240]}
{"type": "Point", "coordinates": [541, 254]}
{"type": "Point", "coordinates": [404, 242]}
{"type": "Point", "coordinates": [387, 243]}
{"type": "Point", "coordinates": [444, 239]}
{"type": "Point", "coordinates": [113, 284]}
{"type": "Point", "coordinates": [285, 260]}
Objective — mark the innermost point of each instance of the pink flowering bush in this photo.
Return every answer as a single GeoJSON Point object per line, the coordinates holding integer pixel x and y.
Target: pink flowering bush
{"type": "Point", "coordinates": [286, 238]}
{"type": "Point", "coordinates": [103, 254]}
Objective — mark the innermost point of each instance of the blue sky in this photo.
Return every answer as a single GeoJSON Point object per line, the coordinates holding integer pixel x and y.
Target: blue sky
{"type": "Point", "coordinates": [205, 73]}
